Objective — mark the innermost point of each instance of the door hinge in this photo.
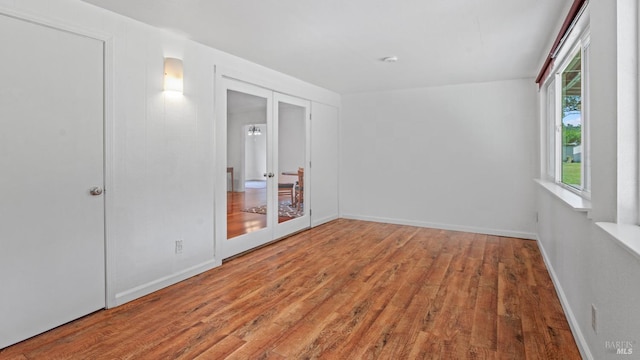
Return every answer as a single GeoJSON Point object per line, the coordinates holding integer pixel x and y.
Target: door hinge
{"type": "Point", "coordinates": [310, 211]}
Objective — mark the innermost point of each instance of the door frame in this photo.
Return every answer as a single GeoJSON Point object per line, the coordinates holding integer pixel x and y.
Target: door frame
{"type": "Point", "coordinates": [107, 131]}
{"type": "Point", "coordinates": [223, 77]}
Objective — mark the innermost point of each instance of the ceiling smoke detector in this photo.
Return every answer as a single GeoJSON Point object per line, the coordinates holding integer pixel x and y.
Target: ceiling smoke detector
{"type": "Point", "coordinates": [390, 59]}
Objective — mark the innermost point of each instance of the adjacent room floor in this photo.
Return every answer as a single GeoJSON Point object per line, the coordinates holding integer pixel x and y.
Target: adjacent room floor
{"type": "Point", "coordinates": [240, 221]}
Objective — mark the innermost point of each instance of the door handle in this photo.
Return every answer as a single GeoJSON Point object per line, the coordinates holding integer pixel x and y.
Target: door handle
{"type": "Point", "coordinates": [95, 191]}
{"type": "Point", "coordinates": [268, 175]}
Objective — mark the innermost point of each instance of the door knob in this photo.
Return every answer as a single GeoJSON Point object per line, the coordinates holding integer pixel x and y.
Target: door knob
{"type": "Point", "coordinates": [95, 191]}
{"type": "Point", "coordinates": [271, 175]}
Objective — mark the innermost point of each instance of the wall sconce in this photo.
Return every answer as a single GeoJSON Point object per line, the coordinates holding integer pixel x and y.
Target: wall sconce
{"type": "Point", "coordinates": [173, 75]}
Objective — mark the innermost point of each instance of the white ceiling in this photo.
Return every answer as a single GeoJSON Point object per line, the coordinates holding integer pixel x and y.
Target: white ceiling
{"type": "Point", "coordinates": [338, 44]}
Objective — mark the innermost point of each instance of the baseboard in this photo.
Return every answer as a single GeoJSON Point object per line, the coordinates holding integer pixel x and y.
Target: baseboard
{"type": "Point", "coordinates": [152, 286]}
{"type": "Point", "coordinates": [479, 230]}
{"type": "Point", "coordinates": [585, 352]}
{"type": "Point", "coordinates": [326, 219]}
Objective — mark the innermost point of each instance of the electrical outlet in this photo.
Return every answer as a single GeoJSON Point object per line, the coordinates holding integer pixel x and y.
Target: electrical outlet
{"type": "Point", "coordinates": [179, 246]}
{"type": "Point", "coordinates": [593, 318]}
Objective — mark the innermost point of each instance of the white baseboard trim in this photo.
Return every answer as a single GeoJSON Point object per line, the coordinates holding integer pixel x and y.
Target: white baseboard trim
{"type": "Point", "coordinates": [473, 229]}
{"type": "Point", "coordinates": [316, 222]}
{"type": "Point", "coordinates": [585, 352]}
{"type": "Point", "coordinates": [152, 286]}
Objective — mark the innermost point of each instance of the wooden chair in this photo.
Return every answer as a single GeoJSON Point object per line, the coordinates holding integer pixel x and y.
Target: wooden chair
{"type": "Point", "coordinates": [286, 189]}
{"type": "Point", "coordinates": [299, 189]}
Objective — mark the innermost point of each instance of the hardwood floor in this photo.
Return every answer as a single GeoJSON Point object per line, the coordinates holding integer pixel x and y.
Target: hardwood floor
{"type": "Point", "coordinates": [344, 290]}
{"type": "Point", "coordinates": [240, 222]}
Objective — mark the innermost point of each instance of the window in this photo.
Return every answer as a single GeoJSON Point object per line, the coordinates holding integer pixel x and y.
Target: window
{"type": "Point", "coordinates": [567, 160]}
{"type": "Point", "coordinates": [571, 123]}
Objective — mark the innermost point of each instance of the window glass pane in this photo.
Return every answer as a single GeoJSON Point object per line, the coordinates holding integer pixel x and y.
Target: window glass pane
{"type": "Point", "coordinates": [572, 123]}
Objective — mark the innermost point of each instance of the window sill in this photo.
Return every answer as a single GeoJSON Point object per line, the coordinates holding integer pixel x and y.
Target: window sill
{"type": "Point", "coordinates": [573, 200]}
{"type": "Point", "coordinates": [627, 236]}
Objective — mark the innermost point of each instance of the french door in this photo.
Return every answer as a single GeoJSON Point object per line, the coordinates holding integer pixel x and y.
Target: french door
{"type": "Point", "coordinates": [263, 166]}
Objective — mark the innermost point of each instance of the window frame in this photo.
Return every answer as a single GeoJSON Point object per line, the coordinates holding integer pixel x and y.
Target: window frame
{"type": "Point", "coordinates": [577, 40]}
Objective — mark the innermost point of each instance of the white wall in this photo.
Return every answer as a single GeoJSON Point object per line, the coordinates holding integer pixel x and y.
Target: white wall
{"type": "Point", "coordinates": [236, 146]}
{"type": "Point", "coordinates": [455, 157]}
{"type": "Point", "coordinates": [160, 149]}
{"type": "Point", "coordinates": [291, 137]}
{"type": "Point", "coordinates": [588, 265]}
{"type": "Point", "coordinates": [255, 150]}
{"type": "Point", "coordinates": [325, 156]}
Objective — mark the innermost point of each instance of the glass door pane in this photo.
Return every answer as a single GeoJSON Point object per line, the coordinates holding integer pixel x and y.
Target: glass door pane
{"type": "Point", "coordinates": [291, 160]}
{"type": "Point", "coordinates": [244, 167]}
{"type": "Point", "coordinates": [247, 209]}
{"type": "Point", "coordinates": [292, 124]}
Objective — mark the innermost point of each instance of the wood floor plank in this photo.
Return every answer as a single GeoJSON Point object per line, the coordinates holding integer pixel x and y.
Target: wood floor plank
{"type": "Point", "coordinates": [221, 349]}
{"type": "Point", "coordinates": [509, 325]}
{"type": "Point", "coordinates": [484, 332]}
{"type": "Point", "coordinates": [510, 338]}
{"type": "Point", "coordinates": [307, 339]}
{"type": "Point", "coordinates": [427, 346]}
{"type": "Point", "coordinates": [346, 289]}
{"type": "Point", "coordinates": [381, 337]}
{"type": "Point", "coordinates": [411, 323]}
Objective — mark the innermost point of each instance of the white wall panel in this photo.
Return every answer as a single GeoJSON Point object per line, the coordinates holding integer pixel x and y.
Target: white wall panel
{"type": "Point", "coordinates": [456, 157]}
{"type": "Point", "coordinates": [588, 267]}
{"type": "Point", "coordinates": [324, 163]}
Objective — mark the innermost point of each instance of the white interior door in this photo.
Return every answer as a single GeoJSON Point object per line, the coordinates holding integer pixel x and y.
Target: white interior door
{"type": "Point", "coordinates": [291, 164]}
{"type": "Point", "coordinates": [245, 135]}
{"type": "Point", "coordinates": [52, 262]}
